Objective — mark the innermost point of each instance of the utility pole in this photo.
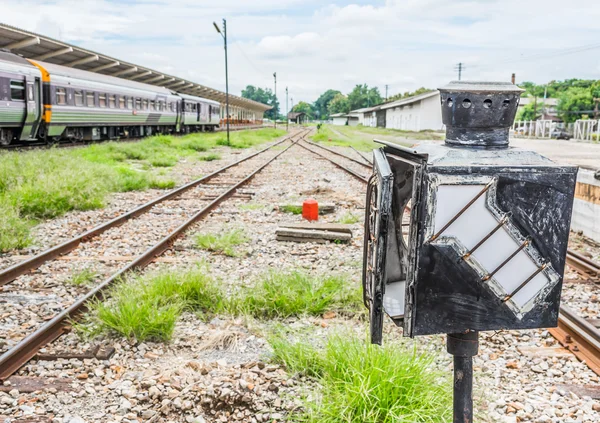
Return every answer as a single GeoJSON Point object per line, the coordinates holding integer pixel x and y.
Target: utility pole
{"type": "Point", "coordinates": [287, 104]}
{"type": "Point", "coordinates": [460, 68]}
{"type": "Point", "coordinates": [224, 35]}
{"type": "Point", "coordinates": [386, 92]}
{"type": "Point", "coordinates": [275, 102]}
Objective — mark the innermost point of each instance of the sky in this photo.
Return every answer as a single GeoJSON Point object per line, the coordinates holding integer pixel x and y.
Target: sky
{"type": "Point", "coordinates": [315, 45]}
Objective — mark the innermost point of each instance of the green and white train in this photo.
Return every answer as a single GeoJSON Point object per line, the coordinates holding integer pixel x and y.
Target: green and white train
{"type": "Point", "coordinates": [47, 102]}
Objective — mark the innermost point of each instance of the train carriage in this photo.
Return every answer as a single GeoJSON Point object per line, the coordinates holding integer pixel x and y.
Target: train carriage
{"type": "Point", "coordinates": [90, 106]}
{"type": "Point", "coordinates": [20, 94]}
{"type": "Point", "coordinates": [199, 113]}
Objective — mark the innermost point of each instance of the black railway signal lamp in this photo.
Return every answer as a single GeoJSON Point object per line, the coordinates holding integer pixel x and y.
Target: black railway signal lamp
{"type": "Point", "coordinates": [467, 236]}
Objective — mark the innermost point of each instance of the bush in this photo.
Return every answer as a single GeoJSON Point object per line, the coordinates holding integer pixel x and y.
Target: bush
{"type": "Point", "coordinates": [222, 243]}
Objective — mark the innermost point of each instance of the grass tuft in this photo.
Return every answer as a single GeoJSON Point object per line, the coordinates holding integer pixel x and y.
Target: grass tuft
{"type": "Point", "coordinates": [210, 157]}
{"type": "Point", "coordinates": [349, 219]}
{"type": "Point", "coordinates": [290, 208]}
{"type": "Point", "coordinates": [360, 382]}
{"type": "Point", "coordinates": [222, 243]}
{"type": "Point", "coordinates": [294, 293]}
{"type": "Point", "coordinates": [83, 277]}
{"type": "Point", "coordinates": [147, 308]}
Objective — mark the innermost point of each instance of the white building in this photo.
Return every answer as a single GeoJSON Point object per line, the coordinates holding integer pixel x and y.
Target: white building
{"type": "Point", "coordinates": [417, 113]}
{"type": "Point", "coordinates": [339, 119]}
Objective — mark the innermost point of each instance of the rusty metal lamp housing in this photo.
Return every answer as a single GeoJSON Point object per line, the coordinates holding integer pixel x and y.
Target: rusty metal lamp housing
{"type": "Point", "coordinates": [466, 236]}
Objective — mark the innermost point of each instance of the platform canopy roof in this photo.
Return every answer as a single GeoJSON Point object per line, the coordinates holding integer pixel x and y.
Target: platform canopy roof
{"type": "Point", "coordinates": [38, 47]}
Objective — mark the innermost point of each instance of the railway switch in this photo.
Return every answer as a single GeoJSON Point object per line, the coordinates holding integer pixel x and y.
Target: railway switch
{"type": "Point", "coordinates": [466, 236]}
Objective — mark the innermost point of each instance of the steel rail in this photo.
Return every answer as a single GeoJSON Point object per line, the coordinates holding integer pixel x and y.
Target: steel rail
{"type": "Point", "coordinates": [579, 337]}
{"type": "Point", "coordinates": [11, 273]}
{"type": "Point", "coordinates": [582, 264]}
{"type": "Point", "coordinates": [26, 349]}
{"type": "Point", "coordinates": [362, 157]}
{"type": "Point", "coordinates": [350, 171]}
{"type": "Point", "coordinates": [338, 154]}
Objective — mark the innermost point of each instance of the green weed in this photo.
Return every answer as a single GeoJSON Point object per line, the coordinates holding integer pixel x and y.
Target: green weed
{"type": "Point", "coordinates": [349, 219]}
{"type": "Point", "coordinates": [210, 157]}
{"type": "Point", "coordinates": [294, 293]}
{"type": "Point", "coordinates": [83, 277]}
{"type": "Point", "coordinates": [147, 308]}
{"type": "Point", "coordinates": [251, 206]}
{"type": "Point", "coordinates": [365, 383]}
{"type": "Point", "coordinates": [290, 208]}
{"type": "Point", "coordinates": [222, 243]}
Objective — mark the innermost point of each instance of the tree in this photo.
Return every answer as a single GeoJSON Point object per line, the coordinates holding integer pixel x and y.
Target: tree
{"type": "Point", "coordinates": [407, 94]}
{"type": "Point", "coordinates": [575, 102]}
{"type": "Point", "coordinates": [363, 96]}
{"type": "Point", "coordinates": [321, 105]}
{"type": "Point", "coordinates": [264, 96]}
{"type": "Point", "coordinates": [304, 107]}
{"type": "Point", "coordinates": [530, 111]}
{"type": "Point", "coordinates": [339, 104]}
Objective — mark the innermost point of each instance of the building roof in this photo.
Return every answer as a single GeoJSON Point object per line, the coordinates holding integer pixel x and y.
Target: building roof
{"type": "Point", "coordinates": [340, 115]}
{"type": "Point", "coordinates": [294, 115]}
{"type": "Point", "coordinates": [410, 100]}
{"type": "Point", "coordinates": [38, 47]}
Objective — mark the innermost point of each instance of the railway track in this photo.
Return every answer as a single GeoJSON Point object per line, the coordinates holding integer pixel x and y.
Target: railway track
{"type": "Point", "coordinates": [576, 334]}
{"type": "Point", "coordinates": [37, 302]}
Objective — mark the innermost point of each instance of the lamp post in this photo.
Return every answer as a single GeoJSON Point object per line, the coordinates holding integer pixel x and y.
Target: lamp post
{"type": "Point", "coordinates": [224, 35]}
{"type": "Point", "coordinates": [287, 118]}
{"type": "Point", "coordinates": [275, 101]}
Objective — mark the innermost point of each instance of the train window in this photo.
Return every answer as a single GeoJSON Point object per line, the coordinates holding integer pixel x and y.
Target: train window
{"type": "Point", "coordinates": [112, 101]}
{"type": "Point", "coordinates": [145, 103]}
{"type": "Point", "coordinates": [138, 104]}
{"type": "Point", "coordinates": [121, 102]}
{"type": "Point", "coordinates": [102, 100]}
{"type": "Point", "coordinates": [78, 98]}
{"type": "Point", "coordinates": [161, 106]}
{"type": "Point", "coordinates": [89, 99]}
{"type": "Point", "coordinates": [17, 90]}
{"type": "Point", "coordinates": [172, 105]}
{"type": "Point", "coordinates": [152, 106]}
{"type": "Point", "coordinates": [61, 96]}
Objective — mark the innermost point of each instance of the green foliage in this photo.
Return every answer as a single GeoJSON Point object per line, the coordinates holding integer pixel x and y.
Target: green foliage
{"type": "Point", "coordinates": [223, 242]}
{"type": "Point", "coordinates": [321, 106]}
{"type": "Point", "coordinates": [14, 230]}
{"type": "Point", "coordinates": [408, 94]}
{"type": "Point", "coordinates": [147, 308]}
{"type": "Point", "coordinates": [363, 96]}
{"type": "Point", "coordinates": [251, 206]}
{"type": "Point", "coordinates": [349, 219]}
{"type": "Point", "coordinates": [290, 208]}
{"type": "Point", "coordinates": [83, 277]}
{"type": "Point", "coordinates": [364, 383]}
{"type": "Point", "coordinates": [285, 294]}
{"type": "Point", "coordinates": [530, 111]}
{"type": "Point", "coordinates": [338, 104]}
{"type": "Point", "coordinates": [210, 157]}
{"type": "Point", "coordinates": [575, 103]}
{"type": "Point", "coordinates": [264, 96]}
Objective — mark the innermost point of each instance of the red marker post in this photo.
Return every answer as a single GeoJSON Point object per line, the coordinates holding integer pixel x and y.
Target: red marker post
{"type": "Point", "coordinates": [310, 210]}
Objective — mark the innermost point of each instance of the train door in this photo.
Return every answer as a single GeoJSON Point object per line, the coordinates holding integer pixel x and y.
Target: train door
{"type": "Point", "coordinates": [198, 107]}
{"type": "Point", "coordinates": [33, 109]}
{"type": "Point", "coordinates": [210, 112]}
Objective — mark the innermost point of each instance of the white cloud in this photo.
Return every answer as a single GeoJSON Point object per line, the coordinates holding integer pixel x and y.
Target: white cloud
{"type": "Point", "coordinates": [314, 46]}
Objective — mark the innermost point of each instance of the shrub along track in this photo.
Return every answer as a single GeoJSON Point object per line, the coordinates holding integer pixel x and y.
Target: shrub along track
{"type": "Point", "coordinates": [35, 145]}
{"type": "Point", "coordinates": [36, 307]}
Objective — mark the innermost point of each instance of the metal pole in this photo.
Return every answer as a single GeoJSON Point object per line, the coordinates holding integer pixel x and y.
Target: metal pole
{"type": "Point", "coordinates": [275, 101]}
{"type": "Point", "coordinates": [226, 79]}
{"type": "Point", "coordinates": [463, 346]}
{"type": "Point", "coordinates": [287, 118]}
